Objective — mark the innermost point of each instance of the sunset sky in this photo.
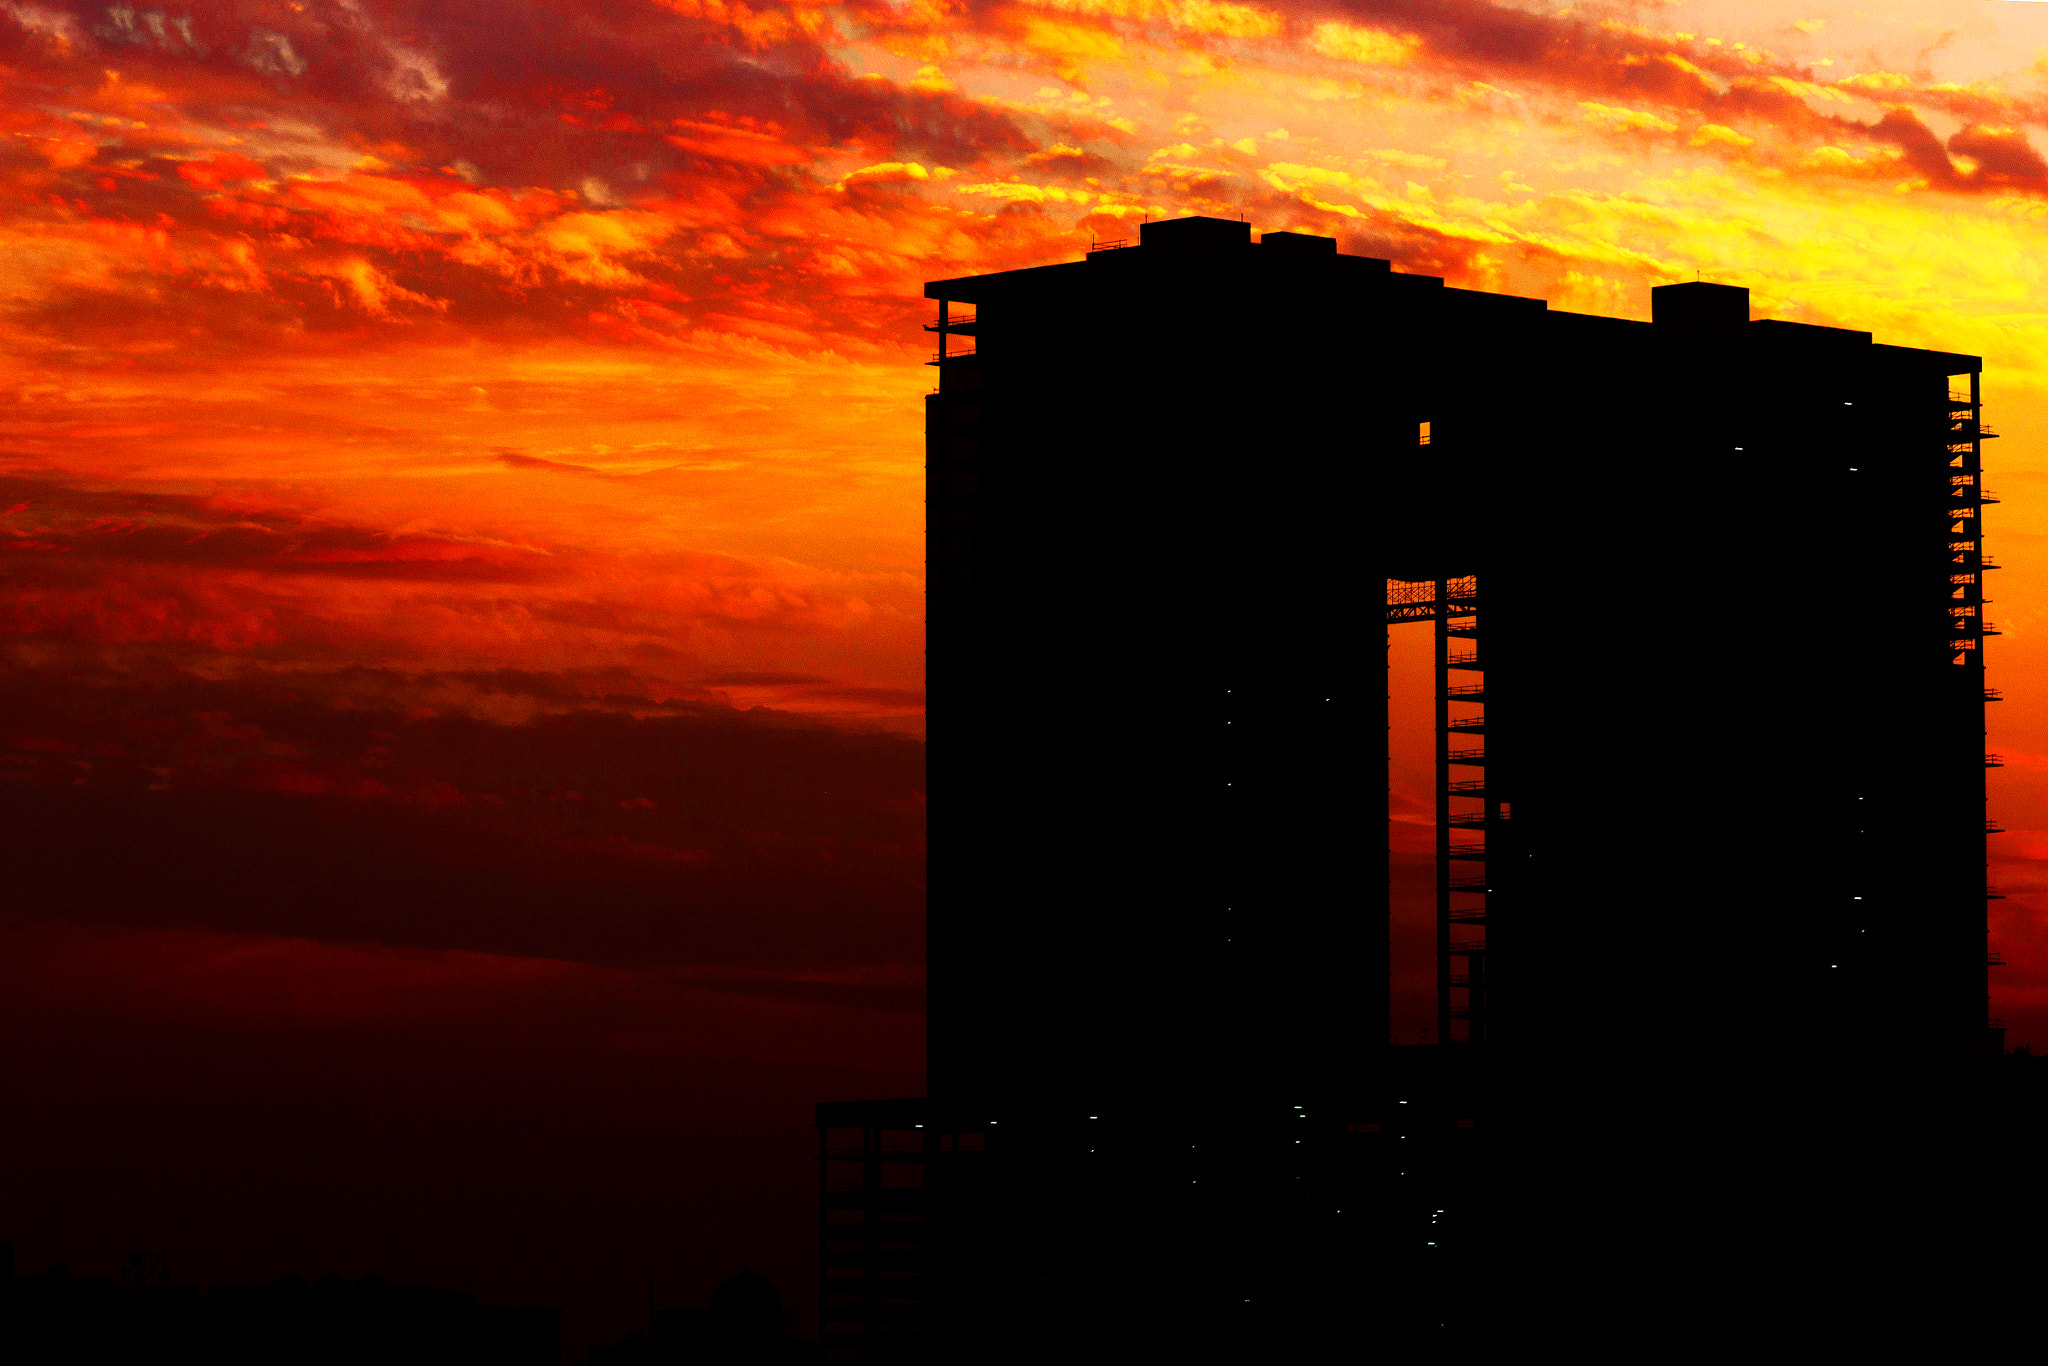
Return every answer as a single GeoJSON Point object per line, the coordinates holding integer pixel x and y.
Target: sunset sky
{"type": "Point", "coordinates": [478, 427]}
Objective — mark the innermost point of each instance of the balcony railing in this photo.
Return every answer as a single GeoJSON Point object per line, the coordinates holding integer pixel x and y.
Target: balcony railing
{"type": "Point", "coordinates": [1407, 592]}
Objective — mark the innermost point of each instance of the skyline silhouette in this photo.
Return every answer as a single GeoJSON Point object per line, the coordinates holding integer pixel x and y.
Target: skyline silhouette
{"type": "Point", "coordinates": [145, 1314]}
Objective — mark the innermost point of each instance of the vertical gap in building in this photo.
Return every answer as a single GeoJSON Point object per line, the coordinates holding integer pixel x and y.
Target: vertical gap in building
{"type": "Point", "coordinates": [1411, 827]}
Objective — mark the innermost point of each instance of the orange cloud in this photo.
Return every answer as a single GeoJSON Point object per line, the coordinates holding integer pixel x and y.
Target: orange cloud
{"type": "Point", "coordinates": [219, 169]}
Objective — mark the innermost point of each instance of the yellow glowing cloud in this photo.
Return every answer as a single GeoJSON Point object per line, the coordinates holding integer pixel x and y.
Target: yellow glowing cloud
{"type": "Point", "coordinates": [885, 172]}
{"type": "Point", "coordinates": [1607, 116]}
{"type": "Point", "coordinates": [1708, 134]}
{"type": "Point", "coordinates": [1070, 47]}
{"type": "Point", "coordinates": [585, 247]}
{"type": "Point", "coordinates": [1877, 80]}
{"type": "Point", "coordinates": [1213, 18]}
{"type": "Point", "coordinates": [1375, 47]}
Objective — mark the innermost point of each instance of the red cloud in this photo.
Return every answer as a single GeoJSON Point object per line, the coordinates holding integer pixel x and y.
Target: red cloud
{"type": "Point", "coordinates": [725, 142]}
{"type": "Point", "coordinates": [2003, 157]}
{"type": "Point", "coordinates": [219, 169]}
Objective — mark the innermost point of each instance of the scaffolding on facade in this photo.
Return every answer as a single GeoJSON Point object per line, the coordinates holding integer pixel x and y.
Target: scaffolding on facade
{"type": "Point", "coordinates": [1463, 896]}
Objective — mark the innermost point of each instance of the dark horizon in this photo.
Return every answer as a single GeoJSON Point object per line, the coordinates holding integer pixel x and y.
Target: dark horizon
{"type": "Point", "coordinates": [459, 1036]}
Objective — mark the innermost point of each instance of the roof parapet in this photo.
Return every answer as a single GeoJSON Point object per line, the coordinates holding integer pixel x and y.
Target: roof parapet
{"type": "Point", "coordinates": [1195, 236]}
{"type": "Point", "coordinates": [1299, 243]}
{"type": "Point", "coordinates": [1698, 304]}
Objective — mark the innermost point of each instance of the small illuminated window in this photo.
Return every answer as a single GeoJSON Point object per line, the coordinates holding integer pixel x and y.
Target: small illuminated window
{"type": "Point", "coordinates": [1423, 438]}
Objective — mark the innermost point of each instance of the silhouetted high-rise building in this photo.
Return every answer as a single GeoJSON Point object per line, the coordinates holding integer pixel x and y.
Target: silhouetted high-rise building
{"type": "Point", "coordinates": [1708, 601]}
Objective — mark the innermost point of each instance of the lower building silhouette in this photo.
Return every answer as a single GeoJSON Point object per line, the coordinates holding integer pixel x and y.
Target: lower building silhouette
{"type": "Point", "coordinates": [1460, 1207]}
{"type": "Point", "coordinates": [744, 1325]}
{"type": "Point", "coordinates": [58, 1319]}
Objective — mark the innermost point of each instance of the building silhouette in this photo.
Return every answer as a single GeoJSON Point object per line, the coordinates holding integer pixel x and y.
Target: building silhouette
{"type": "Point", "coordinates": [59, 1318]}
{"type": "Point", "coordinates": [1707, 597]}
{"type": "Point", "coordinates": [744, 1325]}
